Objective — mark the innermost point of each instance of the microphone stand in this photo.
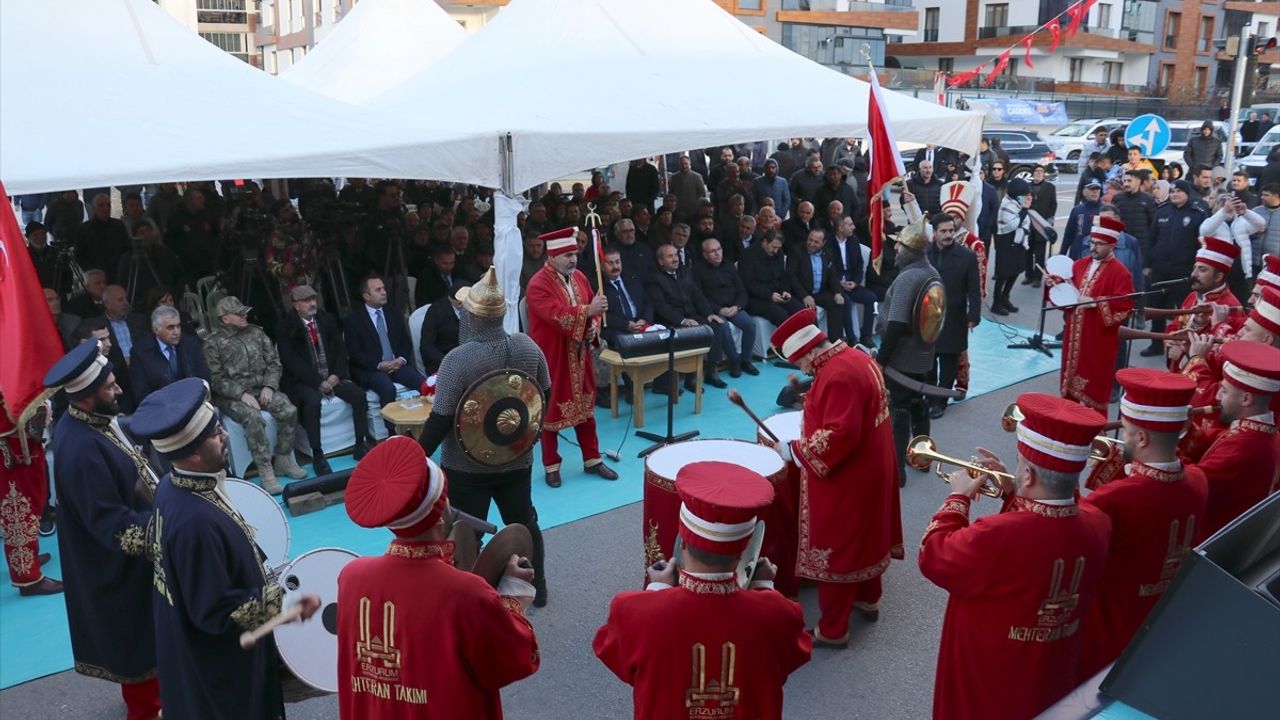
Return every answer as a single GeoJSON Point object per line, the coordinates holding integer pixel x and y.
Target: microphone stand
{"type": "Point", "coordinates": [672, 393]}
{"type": "Point", "coordinates": [1038, 343]}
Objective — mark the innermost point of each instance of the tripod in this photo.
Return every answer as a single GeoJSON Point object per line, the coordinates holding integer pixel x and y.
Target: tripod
{"type": "Point", "coordinates": [1037, 342]}
{"type": "Point", "coordinates": [672, 394]}
{"type": "Point", "coordinates": [137, 259]}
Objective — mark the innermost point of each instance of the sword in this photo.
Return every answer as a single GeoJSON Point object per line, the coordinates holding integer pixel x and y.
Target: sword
{"type": "Point", "coordinates": [920, 387]}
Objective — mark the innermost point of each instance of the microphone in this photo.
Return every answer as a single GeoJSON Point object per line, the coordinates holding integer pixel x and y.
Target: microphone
{"type": "Point", "coordinates": [1163, 283]}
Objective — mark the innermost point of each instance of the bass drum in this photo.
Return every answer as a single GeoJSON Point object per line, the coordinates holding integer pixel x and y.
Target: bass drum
{"type": "Point", "coordinates": [783, 517]}
{"type": "Point", "coordinates": [264, 515]}
{"type": "Point", "coordinates": [309, 650]}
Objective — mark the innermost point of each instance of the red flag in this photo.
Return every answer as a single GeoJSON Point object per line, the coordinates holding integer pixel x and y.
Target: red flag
{"type": "Point", "coordinates": [1055, 29]}
{"type": "Point", "coordinates": [1078, 13]}
{"type": "Point", "coordinates": [886, 166]}
{"type": "Point", "coordinates": [964, 77]}
{"type": "Point", "coordinates": [1026, 43]}
{"type": "Point", "coordinates": [1002, 62]}
{"type": "Point", "coordinates": [27, 332]}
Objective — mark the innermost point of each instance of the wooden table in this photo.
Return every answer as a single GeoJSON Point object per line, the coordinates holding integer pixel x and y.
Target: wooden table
{"type": "Point", "coordinates": [644, 368]}
{"type": "Point", "coordinates": [408, 421]}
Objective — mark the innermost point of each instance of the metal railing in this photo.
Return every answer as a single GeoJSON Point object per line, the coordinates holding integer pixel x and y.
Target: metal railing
{"type": "Point", "coordinates": [847, 5]}
{"type": "Point", "coordinates": [931, 34]}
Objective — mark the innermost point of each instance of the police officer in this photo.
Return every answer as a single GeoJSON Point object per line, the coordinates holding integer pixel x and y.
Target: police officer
{"type": "Point", "coordinates": [245, 373]}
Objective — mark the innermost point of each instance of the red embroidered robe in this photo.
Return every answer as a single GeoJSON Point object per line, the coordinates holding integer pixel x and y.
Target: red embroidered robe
{"type": "Point", "coordinates": [1020, 582]}
{"type": "Point", "coordinates": [1092, 337]}
{"type": "Point", "coordinates": [1156, 518]}
{"type": "Point", "coordinates": [1241, 469]}
{"type": "Point", "coordinates": [1199, 322]}
{"type": "Point", "coordinates": [560, 326]}
{"type": "Point", "coordinates": [705, 649]}
{"type": "Point", "coordinates": [850, 519]}
{"type": "Point", "coordinates": [418, 638]}
{"type": "Point", "coordinates": [24, 490]}
{"type": "Point", "coordinates": [1203, 429]}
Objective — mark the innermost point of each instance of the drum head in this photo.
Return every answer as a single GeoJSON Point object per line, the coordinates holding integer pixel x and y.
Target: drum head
{"type": "Point", "coordinates": [310, 649]}
{"type": "Point", "coordinates": [1060, 265]}
{"type": "Point", "coordinates": [262, 513]}
{"type": "Point", "coordinates": [786, 425]}
{"type": "Point", "coordinates": [1063, 294]}
{"type": "Point", "coordinates": [666, 462]}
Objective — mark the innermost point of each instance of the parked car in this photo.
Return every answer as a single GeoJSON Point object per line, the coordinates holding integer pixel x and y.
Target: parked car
{"type": "Point", "coordinates": [1254, 162]}
{"type": "Point", "coordinates": [1179, 132]}
{"type": "Point", "coordinates": [1026, 149]}
{"type": "Point", "coordinates": [1068, 140]}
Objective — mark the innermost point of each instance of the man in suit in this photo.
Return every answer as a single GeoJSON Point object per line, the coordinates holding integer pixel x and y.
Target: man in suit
{"type": "Point", "coordinates": [378, 344]}
{"type": "Point", "coordinates": [850, 272]}
{"type": "Point", "coordinates": [957, 265]}
{"type": "Point", "coordinates": [441, 278]}
{"type": "Point", "coordinates": [737, 239]}
{"type": "Point", "coordinates": [811, 275]}
{"type": "Point", "coordinates": [679, 302]}
{"type": "Point", "coordinates": [89, 303]}
{"type": "Point", "coordinates": [797, 227]}
{"type": "Point", "coordinates": [439, 331]}
{"type": "Point", "coordinates": [635, 254]}
{"type": "Point", "coordinates": [125, 328]}
{"type": "Point", "coordinates": [314, 357]}
{"type": "Point", "coordinates": [723, 288]}
{"type": "Point", "coordinates": [629, 310]}
{"type": "Point", "coordinates": [763, 268]}
{"type": "Point", "coordinates": [172, 355]}
{"type": "Point", "coordinates": [65, 322]}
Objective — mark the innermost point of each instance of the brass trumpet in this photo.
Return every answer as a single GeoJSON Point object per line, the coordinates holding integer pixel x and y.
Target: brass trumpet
{"type": "Point", "coordinates": [1103, 447]}
{"type": "Point", "coordinates": [923, 452]}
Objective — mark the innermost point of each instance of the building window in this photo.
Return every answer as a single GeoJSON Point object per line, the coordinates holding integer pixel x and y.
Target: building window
{"type": "Point", "coordinates": [931, 24]}
{"type": "Point", "coordinates": [232, 43]}
{"type": "Point", "coordinates": [835, 47]}
{"type": "Point", "coordinates": [746, 6]}
{"type": "Point", "coordinates": [1076, 71]}
{"type": "Point", "coordinates": [222, 11]}
{"type": "Point", "coordinates": [1201, 82]}
{"type": "Point", "coordinates": [997, 15]}
{"type": "Point", "coordinates": [1172, 23]}
{"type": "Point", "coordinates": [1206, 35]}
{"type": "Point", "coordinates": [1138, 22]}
{"type": "Point", "coordinates": [1262, 30]}
{"type": "Point", "coordinates": [1166, 76]}
{"type": "Point", "coordinates": [1112, 73]}
{"type": "Point", "coordinates": [1104, 16]}
{"type": "Point", "coordinates": [947, 65]}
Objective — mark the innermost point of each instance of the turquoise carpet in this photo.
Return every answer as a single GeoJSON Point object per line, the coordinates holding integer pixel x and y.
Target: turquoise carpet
{"type": "Point", "coordinates": [33, 634]}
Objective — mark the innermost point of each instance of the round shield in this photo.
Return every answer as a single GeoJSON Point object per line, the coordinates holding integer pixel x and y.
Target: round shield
{"type": "Point", "coordinates": [931, 311]}
{"type": "Point", "coordinates": [499, 417]}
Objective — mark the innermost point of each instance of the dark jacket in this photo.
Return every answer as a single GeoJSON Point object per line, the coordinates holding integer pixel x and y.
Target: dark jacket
{"type": "Point", "coordinates": [843, 192]}
{"type": "Point", "coordinates": [721, 285]}
{"type": "Point", "coordinates": [958, 267]}
{"type": "Point", "coordinates": [642, 184]}
{"type": "Point", "coordinates": [99, 244]}
{"type": "Point", "coordinates": [431, 286]}
{"type": "Point", "coordinates": [763, 275]}
{"type": "Point", "coordinates": [439, 334]}
{"type": "Point", "coordinates": [794, 232]}
{"type": "Point", "coordinates": [363, 350]}
{"type": "Point", "coordinates": [294, 346]}
{"type": "Point", "coordinates": [987, 215]}
{"type": "Point", "coordinates": [1075, 236]}
{"type": "Point", "coordinates": [850, 268]}
{"type": "Point", "coordinates": [1174, 240]}
{"type": "Point", "coordinates": [1138, 213]}
{"type": "Point", "coordinates": [678, 298]}
{"type": "Point", "coordinates": [928, 194]}
{"type": "Point", "coordinates": [637, 260]}
{"type": "Point", "coordinates": [139, 333]}
{"type": "Point", "coordinates": [1203, 150]}
{"type": "Point", "coordinates": [800, 277]}
{"type": "Point", "coordinates": [616, 322]}
{"type": "Point", "coordinates": [149, 368]}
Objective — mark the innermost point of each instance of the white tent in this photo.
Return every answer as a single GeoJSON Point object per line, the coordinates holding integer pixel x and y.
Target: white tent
{"type": "Point", "coordinates": [376, 46]}
{"type": "Point", "coordinates": [118, 92]}
{"type": "Point", "coordinates": [647, 78]}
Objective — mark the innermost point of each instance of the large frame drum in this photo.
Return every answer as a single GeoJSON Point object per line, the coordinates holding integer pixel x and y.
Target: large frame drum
{"type": "Point", "coordinates": [783, 519]}
{"type": "Point", "coordinates": [662, 504]}
{"type": "Point", "coordinates": [309, 650]}
{"type": "Point", "coordinates": [263, 514]}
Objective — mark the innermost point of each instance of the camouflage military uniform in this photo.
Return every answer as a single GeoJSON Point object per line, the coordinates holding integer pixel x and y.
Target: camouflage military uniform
{"type": "Point", "coordinates": [245, 361]}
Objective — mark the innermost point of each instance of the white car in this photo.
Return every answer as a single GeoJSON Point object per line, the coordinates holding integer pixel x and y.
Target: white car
{"type": "Point", "coordinates": [1254, 162]}
{"type": "Point", "coordinates": [1068, 140]}
{"type": "Point", "coordinates": [1182, 130]}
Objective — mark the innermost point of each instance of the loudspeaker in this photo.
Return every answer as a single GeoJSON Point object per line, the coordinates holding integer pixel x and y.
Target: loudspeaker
{"type": "Point", "coordinates": [1211, 647]}
{"type": "Point", "coordinates": [655, 342]}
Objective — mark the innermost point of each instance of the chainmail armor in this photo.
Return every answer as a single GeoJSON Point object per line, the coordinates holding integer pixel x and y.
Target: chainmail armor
{"type": "Point", "coordinates": [484, 346]}
{"type": "Point", "coordinates": [911, 355]}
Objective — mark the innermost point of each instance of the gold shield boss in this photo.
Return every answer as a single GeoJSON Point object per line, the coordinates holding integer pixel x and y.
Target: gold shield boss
{"type": "Point", "coordinates": [931, 311]}
{"type": "Point", "coordinates": [499, 417]}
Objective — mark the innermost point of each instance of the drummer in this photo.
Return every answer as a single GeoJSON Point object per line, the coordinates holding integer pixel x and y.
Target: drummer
{"type": "Point", "coordinates": [850, 521]}
{"type": "Point", "coordinates": [416, 636]}
{"type": "Point", "coordinates": [1091, 339]}
{"type": "Point", "coordinates": [210, 584]}
{"type": "Point", "coordinates": [738, 645]}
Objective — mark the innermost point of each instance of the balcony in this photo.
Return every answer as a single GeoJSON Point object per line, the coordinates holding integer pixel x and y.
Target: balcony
{"type": "Point", "coordinates": [848, 6]}
{"type": "Point", "coordinates": [995, 31]}
{"type": "Point", "coordinates": [889, 15]}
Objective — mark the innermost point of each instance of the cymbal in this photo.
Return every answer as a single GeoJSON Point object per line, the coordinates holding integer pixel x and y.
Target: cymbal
{"type": "Point", "coordinates": [511, 540]}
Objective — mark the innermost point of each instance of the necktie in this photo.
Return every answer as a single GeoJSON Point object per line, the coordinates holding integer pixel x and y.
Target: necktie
{"type": "Point", "coordinates": [448, 281]}
{"type": "Point", "coordinates": [173, 362]}
{"type": "Point", "coordinates": [626, 301]}
{"type": "Point", "coordinates": [383, 340]}
{"type": "Point", "coordinates": [681, 250]}
{"type": "Point", "coordinates": [315, 336]}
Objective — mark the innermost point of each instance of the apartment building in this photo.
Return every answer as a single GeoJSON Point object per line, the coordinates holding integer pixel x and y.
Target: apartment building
{"type": "Point", "coordinates": [228, 24]}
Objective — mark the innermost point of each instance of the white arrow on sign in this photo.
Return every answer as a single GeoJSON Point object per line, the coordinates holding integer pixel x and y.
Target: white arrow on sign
{"type": "Point", "coordinates": [1146, 138]}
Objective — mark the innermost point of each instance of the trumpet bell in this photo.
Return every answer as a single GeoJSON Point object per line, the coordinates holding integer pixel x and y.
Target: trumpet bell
{"type": "Point", "coordinates": [922, 452]}
{"type": "Point", "coordinates": [1104, 447]}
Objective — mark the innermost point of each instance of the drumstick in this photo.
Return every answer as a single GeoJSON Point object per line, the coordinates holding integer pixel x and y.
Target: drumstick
{"type": "Point", "coordinates": [251, 638]}
{"type": "Point", "coordinates": [735, 397]}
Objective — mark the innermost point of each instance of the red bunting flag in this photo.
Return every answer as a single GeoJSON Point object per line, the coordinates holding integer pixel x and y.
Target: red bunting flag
{"type": "Point", "coordinates": [1055, 30]}
{"type": "Point", "coordinates": [965, 77]}
{"type": "Point", "coordinates": [1026, 43]}
{"type": "Point", "coordinates": [27, 331]}
{"type": "Point", "coordinates": [1002, 61]}
{"type": "Point", "coordinates": [1078, 14]}
{"type": "Point", "coordinates": [886, 166]}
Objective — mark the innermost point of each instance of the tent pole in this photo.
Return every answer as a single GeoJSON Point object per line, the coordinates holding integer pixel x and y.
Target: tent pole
{"type": "Point", "coordinates": [508, 246]}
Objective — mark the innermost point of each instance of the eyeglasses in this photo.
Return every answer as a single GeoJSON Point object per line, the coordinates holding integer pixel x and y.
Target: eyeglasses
{"type": "Point", "coordinates": [998, 167]}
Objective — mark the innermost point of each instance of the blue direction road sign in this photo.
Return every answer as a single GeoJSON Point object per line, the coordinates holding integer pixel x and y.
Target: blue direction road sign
{"type": "Point", "coordinates": [1149, 132]}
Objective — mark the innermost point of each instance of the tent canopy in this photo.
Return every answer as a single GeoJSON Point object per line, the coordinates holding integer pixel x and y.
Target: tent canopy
{"type": "Point", "coordinates": [376, 46]}
{"type": "Point", "coordinates": [651, 77]}
{"type": "Point", "coordinates": [118, 92]}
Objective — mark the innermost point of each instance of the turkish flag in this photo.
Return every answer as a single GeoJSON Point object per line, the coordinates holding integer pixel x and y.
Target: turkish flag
{"type": "Point", "coordinates": [1055, 30]}
{"type": "Point", "coordinates": [886, 166]}
{"type": "Point", "coordinates": [27, 332]}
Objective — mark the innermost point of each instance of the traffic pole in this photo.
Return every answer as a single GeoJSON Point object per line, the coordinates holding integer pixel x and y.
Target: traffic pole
{"type": "Point", "coordinates": [1237, 89]}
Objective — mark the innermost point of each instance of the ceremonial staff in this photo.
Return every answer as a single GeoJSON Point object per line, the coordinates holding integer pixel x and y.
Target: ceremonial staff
{"type": "Point", "coordinates": [593, 221]}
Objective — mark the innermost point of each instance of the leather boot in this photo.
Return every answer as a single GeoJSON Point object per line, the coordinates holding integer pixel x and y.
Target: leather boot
{"type": "Point", "coordinates": [267, 475]}
{"type": "Point", "coordinates": [287, 466]}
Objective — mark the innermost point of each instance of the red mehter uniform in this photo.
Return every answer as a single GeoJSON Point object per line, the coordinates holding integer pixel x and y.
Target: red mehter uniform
{"type": "Point", "coordinates": [1019, 581]}
{"type": "Point", "coordinates": [1091, 340]}
{"type": "Point", "coordinates": [1220, 255]}
{"type": "Point", "coordinates": [561, 327]}
{"type": "Point", "coordinates": [707, 648]}
{"type": "Point", "coordinates": [850, 523]}
{"type": "Point", "coordinates": [418, 638]}
{"type": "Point", "coordinates": [1157, 514]}
{"type": "Point", "coordinates": [24, 490]}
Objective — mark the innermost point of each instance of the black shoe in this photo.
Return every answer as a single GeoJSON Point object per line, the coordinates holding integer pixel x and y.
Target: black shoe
{"type": "Point", "coordinates": [1152, 350]}
{"type": "Point", "coordinates": [539, 592]}
{"type": "Point", "coordinates": [47, 526]}
{"type": "Point", "coordinates": [937, 411]}
{"type": "Point", "coordinates": [1010, 307]}
{"type": "Point", "coordinates": [602, 400]}
{"type": "Point", "coordinates": [553, 478]}
{"type": "Point", "coordinates": [321, 466]}
{"type": "Point", "coordinates": [360, 450]}
{"type": "Point", "coordinates": [997, 308]}
{"type": "Point", "coordinates": [867, 340]}
{"type": "Point", "coordinates": [713, 379]}
{"type": "Point", "coordinates": [735, 371]}
{"type": "Point", "coordinates": [1027, 280]}
{"type": "Point", "coordinates": [46, 586]}
{"type": "Point", "coordinates": [1058, 337]}
{"type": "Point", "coordinates": [602, 470]}
{"type": "Point", "coordinates": [750, 368]}
{"type": "Point", "coordinates": [689, 384]}
{"type": "Point", "coordinates": [1035, 283]}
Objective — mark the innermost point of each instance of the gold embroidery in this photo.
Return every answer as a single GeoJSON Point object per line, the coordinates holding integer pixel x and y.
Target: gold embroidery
{"type": "Point", "coordinates": [812, 563]}
{"type": "Point", "coordinates": [1073, 385]}
{"type": "Point", "coordinates": [257, 610]}
{"type": "Point", "coordinates": [1165, 476]}
{"type": "Point", "coordinates": [102, 424]}
{"type": "Point", "coordinates": [1050, 511]}
{"type": "Point", "coordinates": [157, 561]}
{"type": "Point", "coordinates": [1058, 605]}
{"type": "Point", "coordinates": [956, 505]}
{"type": "Point", "coordinates": [1255, 426]}
{"type": "Point", "coordinates": [708, 587]}
{"type": "Point", "coordinates": [133, 541]}
{"type": "Point", "coordinates": [442, 549]}
{"type": "Point", "coordinates": [883, 413]}
{"type": "Point", "coordinates": [1173, 558]}
{"type": "Point", "coordinates": [21, 528]}
{"type": "Point", "coordinates": [378, 654]}
{"type": "Point", "coordinates": [722, 692]}
{"type": "Point", "coordinates": [652, 550]}
{"type": "Point", "coordinates": [197, 483]}
{"type": "Point", "coordinates": [94, 671]}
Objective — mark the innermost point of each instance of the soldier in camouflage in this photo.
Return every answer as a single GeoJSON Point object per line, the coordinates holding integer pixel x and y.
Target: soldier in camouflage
{"type": "Point", "coordinates": [245, 374]}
